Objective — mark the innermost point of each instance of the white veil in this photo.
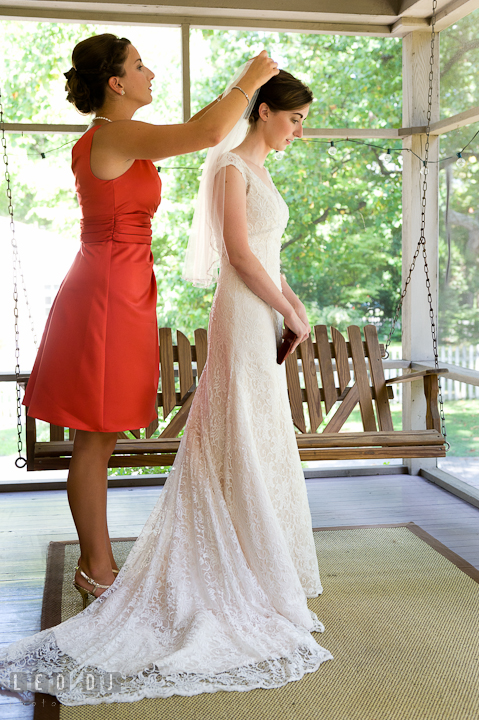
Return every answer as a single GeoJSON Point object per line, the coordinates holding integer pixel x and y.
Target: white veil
{"type": "Point", "coordinates": [206, 236]}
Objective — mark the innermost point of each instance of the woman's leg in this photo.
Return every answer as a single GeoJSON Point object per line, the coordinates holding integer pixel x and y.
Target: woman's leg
{"type": "Point", "coordinates": [87, 492]}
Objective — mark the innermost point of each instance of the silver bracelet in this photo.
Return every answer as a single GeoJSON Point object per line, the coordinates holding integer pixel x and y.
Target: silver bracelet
{"type": "Point", "coordinates": [237, 87]}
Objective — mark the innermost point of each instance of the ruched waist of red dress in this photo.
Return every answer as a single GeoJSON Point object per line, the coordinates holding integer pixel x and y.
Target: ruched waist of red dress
{"type": "Point", "coordinates": [127, 228]}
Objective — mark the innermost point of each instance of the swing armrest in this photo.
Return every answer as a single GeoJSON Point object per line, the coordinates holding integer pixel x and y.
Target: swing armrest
{"type": "Point", "coordinates": [431, 385]}
{"type": "Point", "coordinates": [416, 375]}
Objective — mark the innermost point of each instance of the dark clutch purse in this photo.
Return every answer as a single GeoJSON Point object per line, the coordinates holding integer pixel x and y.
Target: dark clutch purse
{"type": "Point", "coordinates": [288, 339]}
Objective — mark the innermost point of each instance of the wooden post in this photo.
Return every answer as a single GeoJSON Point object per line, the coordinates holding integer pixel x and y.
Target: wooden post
{"type": "Point", "coordinates": [416, 332]}
{"type": "Point", "coordinates": [185, 71]}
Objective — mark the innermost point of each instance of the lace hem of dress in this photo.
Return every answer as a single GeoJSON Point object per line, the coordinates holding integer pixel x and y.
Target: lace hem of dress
{"type": "Point", "coordinates": [46, 669]}
{"type": "Point", "coordinates": [317, 624]}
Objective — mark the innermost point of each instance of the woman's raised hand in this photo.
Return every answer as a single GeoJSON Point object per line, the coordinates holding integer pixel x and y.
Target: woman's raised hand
{"type": "Point", "coordinates": [262, 69]}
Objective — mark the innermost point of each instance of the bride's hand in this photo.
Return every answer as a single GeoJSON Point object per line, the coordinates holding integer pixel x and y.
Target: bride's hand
{"type": "Point", "coordinates": [301, 313]}
{"type": "Point", "coordinates": [262, 69]}
{"type": "Point", "coordinates": [300, 329]}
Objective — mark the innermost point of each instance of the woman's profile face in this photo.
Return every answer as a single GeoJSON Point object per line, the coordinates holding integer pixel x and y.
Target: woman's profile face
{"type": "Point", "coordinates": [282, 127]}
{"type": "Point", "coordinates": [137, 78]}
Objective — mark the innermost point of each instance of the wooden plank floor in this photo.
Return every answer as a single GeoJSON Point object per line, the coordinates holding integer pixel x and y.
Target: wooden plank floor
{"type": "Point", "coordinates": [29, 521]}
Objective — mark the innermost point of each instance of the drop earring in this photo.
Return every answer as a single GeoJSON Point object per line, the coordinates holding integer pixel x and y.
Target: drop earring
{"type": "Point", "coordinates": [122, 92]}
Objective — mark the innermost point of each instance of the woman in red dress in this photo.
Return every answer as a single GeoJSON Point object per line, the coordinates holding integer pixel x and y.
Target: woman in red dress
{"type": "Point", "coordinates": [97, 365]}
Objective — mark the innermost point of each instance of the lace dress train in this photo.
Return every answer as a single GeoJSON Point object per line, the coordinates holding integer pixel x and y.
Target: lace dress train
{"type": "Point", "coordinates": [213, 593]}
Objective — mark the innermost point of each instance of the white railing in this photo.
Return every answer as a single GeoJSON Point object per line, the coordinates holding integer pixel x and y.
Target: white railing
{"type": "Point", "coordinates": [466, 356]}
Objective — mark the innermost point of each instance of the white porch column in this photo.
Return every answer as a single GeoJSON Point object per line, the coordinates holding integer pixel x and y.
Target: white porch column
{"type": "Point", "coordinates": [416, 333]}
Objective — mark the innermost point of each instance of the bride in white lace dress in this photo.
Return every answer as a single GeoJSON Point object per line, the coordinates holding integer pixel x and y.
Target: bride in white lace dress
{"type": "Point", "coordinates": [213, 593]}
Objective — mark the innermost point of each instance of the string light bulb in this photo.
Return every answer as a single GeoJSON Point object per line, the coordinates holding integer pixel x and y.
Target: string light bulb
{"type": "Point", "coordinates": [332, 149]}
{"type": "Point", "coordinates": [386, 157]}
{"type": "Point", "coordinates": [424, 170]}
{"type": "Point", "coordinates": [279, 154]}
{"type": "Point", "coordinates": [460, 162]}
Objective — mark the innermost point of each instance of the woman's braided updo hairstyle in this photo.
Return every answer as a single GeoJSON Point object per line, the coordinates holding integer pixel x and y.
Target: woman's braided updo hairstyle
{"type": "Point", "coordinates": [94, 61]}
{"type": "Point", "coordinates": [282, 92]}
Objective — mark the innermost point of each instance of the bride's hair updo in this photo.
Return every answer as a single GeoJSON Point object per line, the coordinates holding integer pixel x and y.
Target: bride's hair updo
{"type": "Point", "coordinates": [94, 61]}
{"type": "Point", "coordinates": [282, 92]}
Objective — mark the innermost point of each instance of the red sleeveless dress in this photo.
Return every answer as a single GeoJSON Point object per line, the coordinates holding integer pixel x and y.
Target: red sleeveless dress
{"type": "Point", "coordinates": [97, 364]}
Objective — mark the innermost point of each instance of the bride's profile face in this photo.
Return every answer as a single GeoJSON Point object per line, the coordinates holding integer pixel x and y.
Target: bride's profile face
{"type": "Point", "coordinates": [282, 127]}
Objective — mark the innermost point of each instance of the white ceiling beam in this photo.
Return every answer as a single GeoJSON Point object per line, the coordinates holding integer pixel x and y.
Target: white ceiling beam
{"type": "Point", "coordinates": [410, 6]}
{"type": "Point", "coordinates": [408, 24]}
{"type": "Point", "coordinates": [195, 21]}
{"type": "Point", "coordinates": [453, 12]}
{"type": "Point", "coordinates": [358, 11]}
{"type": "Point", "coordinates": [449, 12]}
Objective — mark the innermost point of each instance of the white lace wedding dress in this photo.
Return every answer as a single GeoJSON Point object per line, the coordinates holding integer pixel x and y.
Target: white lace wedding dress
{"type": "Point", "coordinates": [213, 593]}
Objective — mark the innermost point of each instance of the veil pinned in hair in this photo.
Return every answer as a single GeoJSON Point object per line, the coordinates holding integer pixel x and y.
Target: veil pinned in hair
{"type": "Point", "coordinates": [206, 236]}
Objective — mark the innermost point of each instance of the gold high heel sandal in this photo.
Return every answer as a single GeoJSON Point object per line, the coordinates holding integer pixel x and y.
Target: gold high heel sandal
{"type": "Point", "coordinates": [83, 591]}
{"type": "Point", "coordinates": [115, 572]}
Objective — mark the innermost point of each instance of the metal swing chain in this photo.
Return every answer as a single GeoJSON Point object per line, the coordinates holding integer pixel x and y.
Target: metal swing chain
{"type": "Point", "coordinates": [20, 462]}
{"type": "Point", "coordinates": [421, 245]}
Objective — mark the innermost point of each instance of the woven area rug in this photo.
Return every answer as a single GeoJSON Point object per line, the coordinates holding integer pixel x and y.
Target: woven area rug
{"type": "Point", "coordinates": [401, 613]}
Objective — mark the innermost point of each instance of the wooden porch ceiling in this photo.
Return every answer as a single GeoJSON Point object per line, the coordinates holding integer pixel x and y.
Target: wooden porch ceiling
{"type": "Point", "coordinates": [348, 17]}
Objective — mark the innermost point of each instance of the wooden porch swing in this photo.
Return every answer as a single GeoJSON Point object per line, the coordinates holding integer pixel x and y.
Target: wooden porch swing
{"type": "Point", "coordinates": [351, 373]}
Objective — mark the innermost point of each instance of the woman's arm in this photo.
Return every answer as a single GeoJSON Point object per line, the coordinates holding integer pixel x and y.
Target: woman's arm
{"type": "Point", "coordinates": [245, 262]}
{"type": "Point", "coordinates": [201, 112]}
{"type": "Point", "coordinates": [127, 140]}
{"type": "Point", "coordinates": [295, 302]}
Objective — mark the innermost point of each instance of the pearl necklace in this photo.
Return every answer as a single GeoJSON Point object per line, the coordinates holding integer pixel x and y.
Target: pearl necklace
{"type": "Point", "coordinates": [100, 117]}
